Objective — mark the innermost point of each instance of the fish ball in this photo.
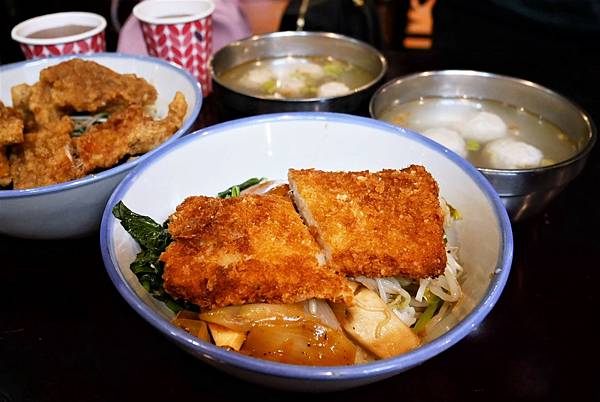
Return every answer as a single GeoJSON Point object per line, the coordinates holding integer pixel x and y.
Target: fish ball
{"type": "Point", "coordinates": [312, 69]}
{"type": "Point", "coordinates": [292, 86]}
{"type": "Point", "coordinates": [333, 88]}
{"type": "Point", "coordinates": [448, 138]}
{"type": "Point", "coordinates": [484, 127]}
{"type": "Point", "coordinates": [444, 114]}
{"type": "Point", "coordinates": [508, 153]}
{"type": "Point", "coordinates": [257, 77]}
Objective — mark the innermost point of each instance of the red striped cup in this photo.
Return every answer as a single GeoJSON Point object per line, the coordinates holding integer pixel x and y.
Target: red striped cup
{"type": "Point", "coordinates": [179, 31]}
{"type": "Point", "coordinates": [90, 40]}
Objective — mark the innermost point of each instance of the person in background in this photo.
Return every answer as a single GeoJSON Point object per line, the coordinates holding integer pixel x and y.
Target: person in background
{"type": "Point", "coordinates": [229, 24]}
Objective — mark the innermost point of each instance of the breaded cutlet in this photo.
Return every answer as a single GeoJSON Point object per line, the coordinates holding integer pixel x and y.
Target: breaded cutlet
{"type": "Point", "coordinates": [11, 126]}
{"type": "Point", "coordinates": [248, 249]}
{"type": "Point", "coordinates": [379, 224]}
{"type": "Point", "coordinates": [45, 157]}
{"type": "Point", "coordinates": [5, 177]}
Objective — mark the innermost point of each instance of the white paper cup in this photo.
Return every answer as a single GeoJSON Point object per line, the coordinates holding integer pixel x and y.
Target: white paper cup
{"type": "Point", "coordinates": [90, 41]}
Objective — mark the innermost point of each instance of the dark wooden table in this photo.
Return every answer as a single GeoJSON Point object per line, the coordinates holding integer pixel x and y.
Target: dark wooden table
{"type": "Point", "coordinates": [67, 335]}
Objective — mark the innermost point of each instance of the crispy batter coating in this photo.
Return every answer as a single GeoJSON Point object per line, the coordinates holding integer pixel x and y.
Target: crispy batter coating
{"type": "Point", "coordinates": [82, 85]}
{"type": "Point", "coordinates": [11, 126]}
{"type": "Point", "coordinates": [282, 190]}
{"type": "Point", "coordinates": [249, 249]}
{"type": "Point", "coordinates": [45, 157]}
{"type": "Point", "coordinates": [128, 132]}
{"type": "Point", "coordinates": [20, 95]}
{"type": "Point", "coordinates": [5, 177]}
{"type": "Point", "coordinates": [44, 111]}
{"type": "Point", "coordinates": [374, 224]}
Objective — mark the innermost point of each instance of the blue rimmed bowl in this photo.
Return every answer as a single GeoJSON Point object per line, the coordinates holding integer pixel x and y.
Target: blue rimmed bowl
{"type": "Point", "coordinates": [212, 159]}
{"type": "Point", "coordinates": [74, 208]}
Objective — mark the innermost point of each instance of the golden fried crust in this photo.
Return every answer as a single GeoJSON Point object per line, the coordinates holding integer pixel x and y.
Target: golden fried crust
{"type": "Point", "coordinates": [20, 95]}
{"type": "Point", "coordinates": [282, 190]}
{"type": "Point", "coordinates": [147, 136]}
{"type": "Point", "coordinates": [250, 249]}
{"type": "Point", "coordinates": [104, 145]}
{"type": "Point", "coordinates": [374, 224]}
{"type": "Point", "coordinates": [11, 126]}
{"type": "Point", "coordinates": [87, 86]}
{"type": "Point", "coordinates": [44, 111]}
{"type": "Point", "coordinates": [127, 132]}
{"type": "Point", "coordinates": [44, 158]}
{"type": "Point", "coordinates": [5, 178]}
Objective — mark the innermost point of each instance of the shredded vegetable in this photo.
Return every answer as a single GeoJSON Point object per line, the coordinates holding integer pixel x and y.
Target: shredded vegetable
{"type": "Point", "coordinates": [427, 314]}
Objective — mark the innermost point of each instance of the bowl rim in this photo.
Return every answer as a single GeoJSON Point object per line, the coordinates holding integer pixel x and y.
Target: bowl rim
{"type": "Point", "coordinates": [332, 35]}
{"type": "Point", "coordinates": [314, 373]}
{"type": "Point", "coordinates": [581, 154]}
{"type": "Point", "coordinates": [71, 184]}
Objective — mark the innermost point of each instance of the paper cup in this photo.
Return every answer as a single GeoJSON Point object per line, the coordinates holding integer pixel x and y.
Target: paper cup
{"type": "Point", "coordinates": [180, 32]}
{"type": "Point", "coordinates": [86, 42]}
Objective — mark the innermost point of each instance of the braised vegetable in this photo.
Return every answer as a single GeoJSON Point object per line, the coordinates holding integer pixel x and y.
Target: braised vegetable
{"type": "Point", "coordinates": [302, 342]}
{"type": "Point", "coordinates": [227, 338]}
{"type": "Point", "coordinates": [371, 323]}
{"type": "Point", "coordinates": [244, 317]}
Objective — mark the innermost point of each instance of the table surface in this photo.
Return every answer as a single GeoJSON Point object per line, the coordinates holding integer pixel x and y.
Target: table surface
{"type": "Point", "coordinates": [67, 335]}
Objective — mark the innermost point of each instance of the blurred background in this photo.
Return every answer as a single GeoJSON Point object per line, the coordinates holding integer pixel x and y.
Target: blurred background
{"type": "Point", "coordinates": [492, 25]}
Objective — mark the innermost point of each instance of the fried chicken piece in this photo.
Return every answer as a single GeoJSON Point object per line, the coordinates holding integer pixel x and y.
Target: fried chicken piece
{"type": "Point", "coordinates": [44, 111]}
{"type": "Point", "coordinates": [249, 249]}
{"type": "Point", "coordinates": [5, 177]}
{"type": "Point", "coordinates": [374, 224]}
{"type": "Point", "coordinates": [20, 95]}
{"type": "Point", "coordinates": [128, 132]}
{"type": "Point", "coordinates": [82, 85]}
{"type": "Point", "coordinates": [45, 157]}
{"type": "Point", "coordinates": [11, 126]}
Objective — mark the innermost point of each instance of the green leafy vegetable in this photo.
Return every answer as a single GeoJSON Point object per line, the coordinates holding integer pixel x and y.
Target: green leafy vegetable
{"type": "Point", "coordinates": [234, 191]}
{"type": "Point", "coordinates": [334, 69]}
{"type": "Point", "coordinates": [454, 213]}
{"type": "Point", "coordinates": [429, 312]}
{"type": "Point", "coordinates": [270, 86]}
{"type": "Point", "coordinates": [153, 239]}
{"type": "Point", "coordinates": [473, 145]}
{"type": "Point", "coordinates": [83, 123]}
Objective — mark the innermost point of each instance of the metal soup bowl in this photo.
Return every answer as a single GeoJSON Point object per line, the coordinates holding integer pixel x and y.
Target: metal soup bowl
{"type": "Point", "coordinates": [524, 192]}
{"type": "Point", "coordinates": [239, 102]}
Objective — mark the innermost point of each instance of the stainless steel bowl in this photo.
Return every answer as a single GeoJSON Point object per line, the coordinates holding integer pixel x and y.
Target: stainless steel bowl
{"type": "Point", "coordinates": [524, 192]}
{"type": "Point", "coordinates": [282, 44]}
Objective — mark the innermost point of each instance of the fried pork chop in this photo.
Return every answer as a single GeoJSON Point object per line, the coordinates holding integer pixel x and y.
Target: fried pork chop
{"type": "Point", "coordinates": [128, 132]}
{"type": "Point", "coordinates": [374, 224]}
{"type": "Point", "coordinates": [11, 132]}
{"type": "Point", "coordinates": [45, 157]}
{"type": "Point", "coordinates": [248, 249]}
{"type": "Point", "coordinates": [11, 126]}
{"type": "Point", "coordinates": [82, 85]}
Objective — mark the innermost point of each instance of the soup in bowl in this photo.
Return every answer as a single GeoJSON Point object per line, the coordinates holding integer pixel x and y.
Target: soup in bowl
{"type": "Point", "coordinates": [529, 141]}
{"type": "Point", "coordinates": [295, 71]}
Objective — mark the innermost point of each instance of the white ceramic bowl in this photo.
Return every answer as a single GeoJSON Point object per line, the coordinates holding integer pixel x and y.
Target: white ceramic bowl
{"type": "Point", "coordinates": [213, 159]}
{"type": "Point", "coordinates": [74, 208]}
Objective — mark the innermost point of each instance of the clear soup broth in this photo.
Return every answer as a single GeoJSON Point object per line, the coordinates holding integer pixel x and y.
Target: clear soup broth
{"type": "Point", "coordinates": [296, 77]}
{"type": "Point", "coordinates": [489, 134]}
